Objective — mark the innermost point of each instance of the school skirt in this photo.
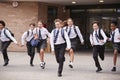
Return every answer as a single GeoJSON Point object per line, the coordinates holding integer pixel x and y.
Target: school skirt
{"type": "Point", "coordinates": [116, 46]}
{"type": "Point", "coordinates": [73, 43]}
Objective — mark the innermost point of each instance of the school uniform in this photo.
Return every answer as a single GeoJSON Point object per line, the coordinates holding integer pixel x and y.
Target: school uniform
{"type": "Point", "coordinates": [6, 40]}
{"type": "Point", "coordinates": [58, 45]}
{"type": "Point", "coordinates": [28, 36]}
{"type": "Point", "coordinates": [114, 35]}
{"type": "Point", "coordinates": [98, 47]}
{"type": "Point", "coordinates": [74, 32]}
{"type": "Point", "coordinates": [43, 34]}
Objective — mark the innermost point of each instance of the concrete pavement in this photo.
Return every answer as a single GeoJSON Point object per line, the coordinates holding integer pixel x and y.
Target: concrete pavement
{"type": "Point", "coordinates": [84, 68]}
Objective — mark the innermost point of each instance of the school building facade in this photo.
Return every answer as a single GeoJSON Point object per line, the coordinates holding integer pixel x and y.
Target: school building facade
{"type": "Point", "coordinates": [18, 15]}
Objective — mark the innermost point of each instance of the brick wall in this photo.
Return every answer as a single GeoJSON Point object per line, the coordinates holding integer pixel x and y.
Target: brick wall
{"type": "Point", "coordinates": [18, 19]}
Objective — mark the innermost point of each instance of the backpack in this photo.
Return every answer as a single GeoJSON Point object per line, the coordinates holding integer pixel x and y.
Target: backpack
{"type": "Point", "coordinates": [62, 33]}
{"type": "Point", "coordinates": [12, 34]}
{"type": "Point", "coordinates": [74, 30]}
{"type": "Point", "coordinates": [99, 34]}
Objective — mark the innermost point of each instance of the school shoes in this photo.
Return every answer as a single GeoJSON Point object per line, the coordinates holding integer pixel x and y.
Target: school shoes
{"type": "Point", "coordinates": [59, 75]}
{"type": "Point", "coordinates": [99, 69]}
{"type": "Point", "coordinates": [113, 69]}
{"type": "Point", "coordinates": [42, 65]}
{"type": "Point", "coordinates": [71, 64]}
{"type": "Point", "coordinates": [6, 63]}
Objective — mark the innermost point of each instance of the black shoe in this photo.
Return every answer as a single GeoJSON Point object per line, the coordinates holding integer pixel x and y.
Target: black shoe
{"type": "Point", "coordinates": [113, 69]}
{"type": "Point", "coordinates": [59, 75]}
{"type": "Point", "coordinates": [31, 65]}
{"type": "Point", "coordinates": [71, 66]}
{"type": "Point", "coordinates": [5, 64]}
{"type": "Point", "coordinates": [99, 69]}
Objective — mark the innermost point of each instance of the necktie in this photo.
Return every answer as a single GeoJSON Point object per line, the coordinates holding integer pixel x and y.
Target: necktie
{"type": "Point", "coordinates": [31, 33]}
{"type": "Point", "coordinates": [113, 37]}
{"type": "Point", "coordinates": [96, 36]}
{"type": "Point", "coordinates": [40, 36]}
{"type": "Point", "coordinates": [69, 31]}
{"type": "Point", "coordinates": [56, 36]}
{"type": "Point", "coordinates": [0, 33]}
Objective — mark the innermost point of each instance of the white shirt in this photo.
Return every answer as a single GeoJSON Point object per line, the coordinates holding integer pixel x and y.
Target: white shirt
{"type": "Point", "coordinates": [44, 32]}
{"type": "Point", "coordinates": [116, 35]}
{"type": "Point", "coordinates": [73, 33]}
{"type": "Point", "coordinates": [60, 39]}
{"type": "Point", "coordinates": [3, 37]}
{"type": "Point", "coordinates": [93, 39]}
{"type": "Point", "coordinates": [28, 35]}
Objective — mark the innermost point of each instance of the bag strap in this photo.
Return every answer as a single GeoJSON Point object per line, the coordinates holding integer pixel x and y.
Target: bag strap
{"type": "Point", "coordinates": [6, 34]}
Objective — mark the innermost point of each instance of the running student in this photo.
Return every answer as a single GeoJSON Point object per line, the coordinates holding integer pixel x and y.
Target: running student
{"type": "Point", "coordinates": [41, 34]}
{"type": "Point", "coordinates": [28, 36]}
{"type": "Point", "coordinates": [97, 40]}
{"type": "Point", "coordinates": [6, 37]}
{"type": "Point", "coordinates": [59, 44]}
{"type": "Point", "coordinates": [73, 33]}
{"type": "Point", "coordinates": [115, 39]}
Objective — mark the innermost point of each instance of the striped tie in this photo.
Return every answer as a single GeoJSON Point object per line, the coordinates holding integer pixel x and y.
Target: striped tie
{"type": "Point", "coordinates": [56, 36]}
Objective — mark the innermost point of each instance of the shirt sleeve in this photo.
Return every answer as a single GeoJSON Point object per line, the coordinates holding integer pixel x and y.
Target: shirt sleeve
{"type": "Point", "coordinates": [52, 41]}
{"type": "Point", "coordinates": [104, 36]}
{"type": "Point", "coordinates": [23, 38]}
{"type": "Point", "coordinates": [67, 40]}
{"type": "Point", "coordinates": [10, 36]}
{"type": "Point", "coordinates": [91, 39]}
{"type": "Point", "coordinates": [79, 34]}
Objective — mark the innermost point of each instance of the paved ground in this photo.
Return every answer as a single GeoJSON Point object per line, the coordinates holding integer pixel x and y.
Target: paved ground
{"type": "Point", "coordinates": [84, 68]}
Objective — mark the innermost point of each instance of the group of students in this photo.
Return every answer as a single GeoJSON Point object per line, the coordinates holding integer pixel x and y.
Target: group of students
{"type": "Point", "coordinates": [62, 38]}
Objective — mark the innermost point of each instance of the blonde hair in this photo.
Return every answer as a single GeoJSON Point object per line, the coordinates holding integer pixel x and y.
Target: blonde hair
{"type": "Point", "coordinates": [58, 20]}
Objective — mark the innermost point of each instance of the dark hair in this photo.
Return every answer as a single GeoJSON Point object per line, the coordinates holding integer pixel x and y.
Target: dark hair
{"type": "Point", "coordinates": [32, 24]}
{"type": "Point", "coordinates": [2, 22]}
{"type": "Point", "coordinates": [95, 22]}
{"type": "Point", "coordinates": [114, 22]}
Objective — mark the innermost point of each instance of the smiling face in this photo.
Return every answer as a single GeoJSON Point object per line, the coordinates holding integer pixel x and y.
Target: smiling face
{"type": "Point", "coordinates": [70, 22]}
{"type": "Point", "coordinates": [95, 26]}
{"type": "Point", "coordinates": [112, 26]}
{"type": "Point", "coordinates": [40, 24]}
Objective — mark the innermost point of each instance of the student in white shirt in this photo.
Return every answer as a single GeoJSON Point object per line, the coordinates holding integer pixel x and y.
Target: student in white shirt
{"type": "Point", "coordinates": [28, 36]}
{"type": "Point", "coordinates": [60, 42]}
{"type": "Point", "coordinates": [41, 34]}
{"type": "Point", "coordinates": [6, 39]}
{"type": "Point", "coordinates": [97, 40]}
{"type": "Point", "coordinates": [115, 39]}
{"type": "Point", "coordinates": [73, 32]}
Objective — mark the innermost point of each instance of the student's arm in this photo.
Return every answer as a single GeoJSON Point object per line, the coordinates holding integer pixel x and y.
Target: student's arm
{"type": "Point", "coordinates": [52, 41]}
{"type": "Point", "coordinates": [104, 36]}
{"type": "Point", "coordinates": [11, 37]}
{"type": "Point", "coordinates": [23, 38]}
{"type": "Point", "coordinates": [91, 39]}
{"type": "Point", "coordinates": [67, 40]}
{"type": "Point", "coordinates": [79, 35]}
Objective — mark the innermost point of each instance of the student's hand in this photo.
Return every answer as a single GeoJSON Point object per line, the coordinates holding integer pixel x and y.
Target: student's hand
{"type": "Point", "coordinates": [67, 49]}
{"type": "Point", "coordinates": [53, 52]}
{"type": "Point", "coordinates": [101, 41]}
{"type": "Point", "coordinates": [92, 45]}
{"type": "Point", "coordinates": [82, 43]}
{"type": "Point", "coordinates": [119, 38]}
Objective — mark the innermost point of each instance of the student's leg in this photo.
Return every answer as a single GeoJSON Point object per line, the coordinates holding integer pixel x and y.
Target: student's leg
{"type": "Point", "coordinates": [101, 52]}
{"type": "Point", "coordinates": [4, 52]}
{"type": "Point", "coordinates": [32, 55]}
{"type": "Point", "coordinates": [28, 48]}
{"type": "Point", "coordinates": [114, 59]}
{"type": "Point", "coordinates": [61, 59]}
{"type": "Point", "coordinates": [95, 57]}
{"type": "Point", "coordinates": [71, 54]}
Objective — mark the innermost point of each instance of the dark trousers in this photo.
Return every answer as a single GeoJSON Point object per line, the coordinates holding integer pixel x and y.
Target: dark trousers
{"type": "Point", "coordinates": [60, 56]}
{"type": "Point", "coordinates": [98, 50]}
{"type": "Point", "coordinates": [4, 47]}
{"type": "Point", "coordinates": [31, 51]}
